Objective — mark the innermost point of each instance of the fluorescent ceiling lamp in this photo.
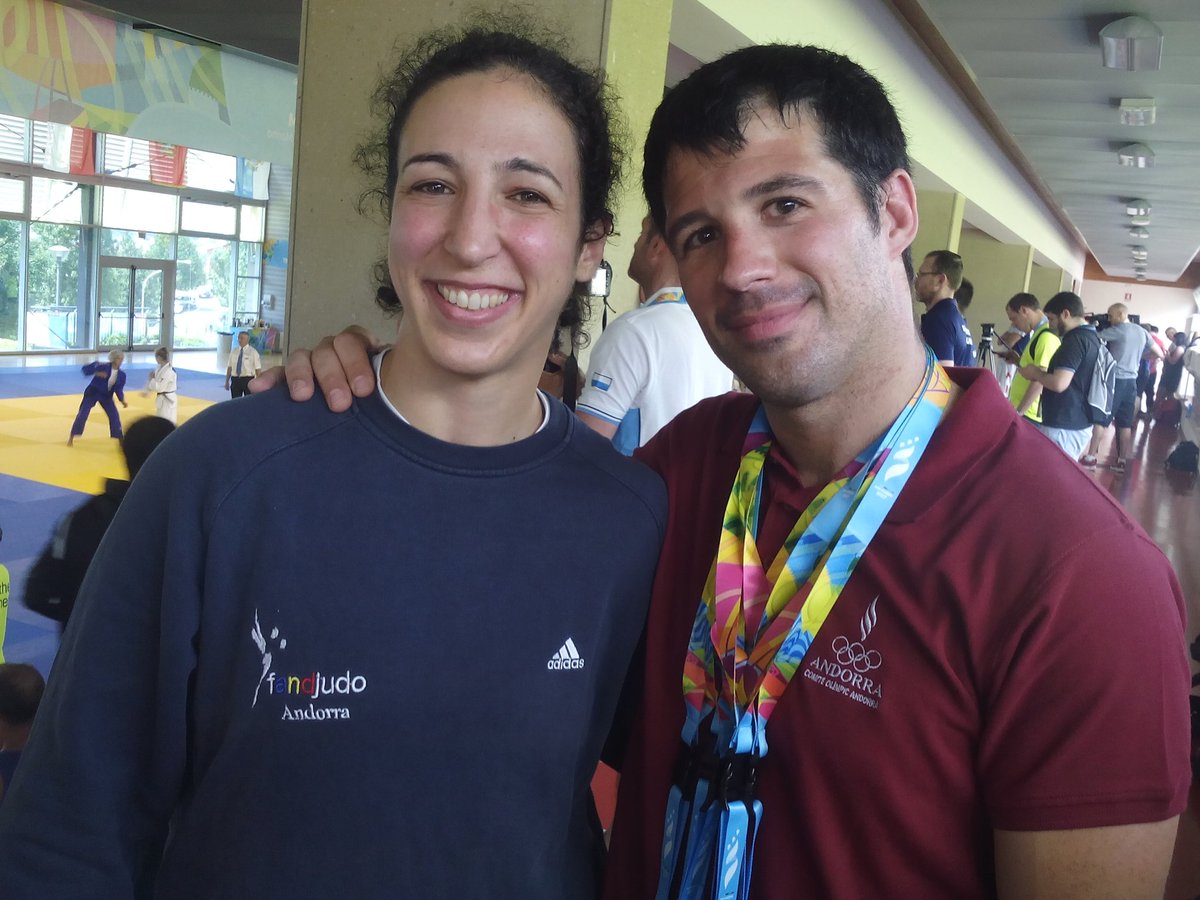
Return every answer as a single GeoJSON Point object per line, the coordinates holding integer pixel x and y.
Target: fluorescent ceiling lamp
{"type": "Point", "coordinates": [1138, 112]}
{"type": "Point", "coordinates": [1137, 155]}
{"type": "Point", "coordinates": [1139, 221]}
{"type": "Point", "coordinates": [1133, 44]}
{"type": "Point", "coordinates": [1137, 207]}
{"type": "Point", "coordinates": [1140, 233]}
{"type": "Point", "coordinates": [1140, 253]}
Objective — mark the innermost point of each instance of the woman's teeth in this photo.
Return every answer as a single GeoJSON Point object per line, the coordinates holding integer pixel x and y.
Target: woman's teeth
{"type": "Point", "coordinates": [472, 299]}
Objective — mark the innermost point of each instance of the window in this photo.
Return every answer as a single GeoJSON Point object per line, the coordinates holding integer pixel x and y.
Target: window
{"type": "Point", "coordinates": [57, 201]}
{"type": "Point", "coordinates": [12, 240]}
{"type": "Point", "coordinates": [138, 210]}
{"type": "Point", "coordinates": [254, 220]}
{"type": "Point", "coordinates": [57, 304]}
{"type": "Point", "coordinates": [14, 139]}
{"type": "Point", "coordinates": [136, 244]}
{"type": "Point", "coordinates": [126, 157]}
{"type": "Point", "coordinates": [249, 280]}
{"type": "Point", "coordinates": [202, 281]}
{"type": "Point", "coordinates": [12, 195]}
{"type": "Point", "coordinates": [210, 171]}
{"type": "Point", "coordinates": [209, 218]}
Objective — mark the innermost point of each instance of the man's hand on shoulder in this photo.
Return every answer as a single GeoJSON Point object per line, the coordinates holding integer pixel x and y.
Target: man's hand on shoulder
{"type": "Point", "coordinates": [339, 365]}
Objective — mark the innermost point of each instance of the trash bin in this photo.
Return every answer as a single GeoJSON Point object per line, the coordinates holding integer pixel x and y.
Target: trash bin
{"type": "Point", "coordinates": [224, 345]}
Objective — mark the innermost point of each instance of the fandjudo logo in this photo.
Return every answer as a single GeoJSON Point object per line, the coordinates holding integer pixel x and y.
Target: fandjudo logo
{"type": "Point", "coordinates": [317, 685]}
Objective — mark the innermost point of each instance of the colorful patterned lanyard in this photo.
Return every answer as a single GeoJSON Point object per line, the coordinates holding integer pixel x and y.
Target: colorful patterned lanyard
{"type": "Point", "coordinates": [666, 295]}
{"type": "Point", "coordinates": [751, 632]}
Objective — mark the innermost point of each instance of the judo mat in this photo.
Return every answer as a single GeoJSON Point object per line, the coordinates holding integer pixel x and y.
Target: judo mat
{"type": "Point", "coordinates": [41, 478]}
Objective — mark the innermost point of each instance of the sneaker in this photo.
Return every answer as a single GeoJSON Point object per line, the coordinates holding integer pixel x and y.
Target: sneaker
{"type": "Point", "coordinates": [1118, 467]}
{"type": "Point", "coordinates": [1088, 462]}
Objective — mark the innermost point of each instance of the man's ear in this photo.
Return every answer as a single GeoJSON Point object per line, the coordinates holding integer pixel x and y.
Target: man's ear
{"type": "Point", "coordinates": [658, 248]}
{"type": "Point", "coordinates": [898, 212]}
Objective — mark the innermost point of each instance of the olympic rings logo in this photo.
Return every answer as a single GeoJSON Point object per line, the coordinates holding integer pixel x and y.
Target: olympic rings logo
{"type": "Point", "coordinates": [855, 655]}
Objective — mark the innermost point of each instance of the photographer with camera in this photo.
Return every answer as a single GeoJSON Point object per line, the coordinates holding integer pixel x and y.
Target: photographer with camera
{"type": "Point", "coordinates": [1127, 342]}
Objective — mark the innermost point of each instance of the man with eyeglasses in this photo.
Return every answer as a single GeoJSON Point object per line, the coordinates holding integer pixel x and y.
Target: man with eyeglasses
{"type": "Point", "coordinates": [943, 326]}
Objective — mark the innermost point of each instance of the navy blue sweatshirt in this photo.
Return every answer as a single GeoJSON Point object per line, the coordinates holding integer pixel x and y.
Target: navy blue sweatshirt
{"type": "Point", "coordinates": [344, 659]}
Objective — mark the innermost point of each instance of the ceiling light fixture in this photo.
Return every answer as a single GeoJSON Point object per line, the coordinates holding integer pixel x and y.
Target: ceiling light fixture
{"type": "Point", "coordinates": [1140, 233]}
{"type": "Point", "coordinates": [1138, 112]}
{"type": "Point", "coordinates": [1138, 155]}
{"type": "Point", "coordinates": [1133, 44]}
{"type": "Point", "coordinates": [1140, 276]}
{"type": "Point", "coordinates": [1137, 207]}
{"type": "Point", "coordinates": [1141, 253]}
{"type": "Point", "coordinates": [1139, 221]}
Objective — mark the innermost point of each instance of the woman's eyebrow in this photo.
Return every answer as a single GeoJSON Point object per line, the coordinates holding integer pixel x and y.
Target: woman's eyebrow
{"type": "Point", "coordinates": [521, 164]}
{"type": "Point", "coordinates": [444, 159]}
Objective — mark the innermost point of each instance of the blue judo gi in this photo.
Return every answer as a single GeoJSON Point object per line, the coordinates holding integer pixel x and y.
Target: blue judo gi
{"type": "Point", "coordinates": [98, 391]}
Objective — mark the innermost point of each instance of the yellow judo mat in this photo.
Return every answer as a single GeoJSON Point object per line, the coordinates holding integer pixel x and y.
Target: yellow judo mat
{"type": "Point", "coordinates": [33, 439]}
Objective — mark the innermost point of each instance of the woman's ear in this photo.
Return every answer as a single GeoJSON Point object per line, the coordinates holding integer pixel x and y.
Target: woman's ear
{"type": "Point", "coordinates": [595, 236]}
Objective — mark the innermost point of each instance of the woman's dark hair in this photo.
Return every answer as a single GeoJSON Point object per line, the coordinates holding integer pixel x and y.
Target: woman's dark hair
{"type": "Point", "coordinates": [489, 42]}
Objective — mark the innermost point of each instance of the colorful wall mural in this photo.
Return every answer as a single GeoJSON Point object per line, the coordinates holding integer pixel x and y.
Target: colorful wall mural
{"type": "Point", "coordinates": [65, 65]}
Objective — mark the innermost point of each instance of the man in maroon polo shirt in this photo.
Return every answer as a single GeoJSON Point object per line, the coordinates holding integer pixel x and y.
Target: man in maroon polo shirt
{"type": "Point", "coordinates": [988, 709]}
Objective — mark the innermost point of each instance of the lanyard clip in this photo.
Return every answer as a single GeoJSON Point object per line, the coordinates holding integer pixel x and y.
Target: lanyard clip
{"type": "Point", "coordinates": [693, 765]}
{"type": "Point", "coordinates": [739, 779]}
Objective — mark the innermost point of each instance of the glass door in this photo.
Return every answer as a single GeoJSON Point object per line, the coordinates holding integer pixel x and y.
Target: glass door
{"type": "Point", "coordinates": [134, 307]}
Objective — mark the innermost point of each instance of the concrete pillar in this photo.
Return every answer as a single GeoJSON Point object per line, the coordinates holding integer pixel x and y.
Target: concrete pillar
{"type": "Point", "coordinates": [635, 62]}
{"type": "Point", "coordinates": [940, 217]}
{"type": "Point", "coordinates": [1046, 281]}
{"type": "Point", "coordinates": [344, 49]}
{"type": "Point", "coordinates": [998, 271]}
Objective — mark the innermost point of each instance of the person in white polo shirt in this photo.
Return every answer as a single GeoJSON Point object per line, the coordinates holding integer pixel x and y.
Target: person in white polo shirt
{"type": "Point", "coordinates": [244, 364]}
{"type": "Point", "coordinates": [653, 362]}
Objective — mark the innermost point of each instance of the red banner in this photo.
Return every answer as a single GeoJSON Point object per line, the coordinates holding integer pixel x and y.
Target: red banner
{"type": "Point", "coordinates": [166, 163]}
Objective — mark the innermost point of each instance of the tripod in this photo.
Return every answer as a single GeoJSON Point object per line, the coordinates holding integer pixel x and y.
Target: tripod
{"type": "Point", "coordinates": [986, 358]}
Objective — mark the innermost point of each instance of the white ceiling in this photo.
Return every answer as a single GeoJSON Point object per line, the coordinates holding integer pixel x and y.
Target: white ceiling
{"type": "Point", "coordinates": [1037, 65]}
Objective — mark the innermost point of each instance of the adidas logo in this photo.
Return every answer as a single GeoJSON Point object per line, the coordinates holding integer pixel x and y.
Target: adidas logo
{"type": "Point", "coordinates": [567, 657]}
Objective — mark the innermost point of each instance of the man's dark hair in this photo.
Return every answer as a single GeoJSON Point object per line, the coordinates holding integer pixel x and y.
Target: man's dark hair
{"type": "Point", "coordinates": [964, 294]}
{"type": "Point", "coordinates": [21, 687]}
{"type": "Point", "coordinates": [1024, 300]}
{"type": "Point", "coordinates": [140, 440]}
{"type": "Point", "coordinates": [491, 41]}
{"type": "Point", "coordinates": [949, 264]}
{"type": "Point", "coordinates": [1064, 301]}
{"type": "Point", "coordinates": [707, 113]}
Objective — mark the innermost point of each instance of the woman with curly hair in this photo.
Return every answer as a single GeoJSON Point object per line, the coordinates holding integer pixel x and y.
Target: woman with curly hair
{"type": "Point", "coordinates": [360, 655]}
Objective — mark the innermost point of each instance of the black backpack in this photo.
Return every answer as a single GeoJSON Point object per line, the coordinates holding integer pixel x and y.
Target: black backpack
{"type": "Point", "coordinates": [55, 577]}
{"type": "Point", "coordinates": [1185, 458]}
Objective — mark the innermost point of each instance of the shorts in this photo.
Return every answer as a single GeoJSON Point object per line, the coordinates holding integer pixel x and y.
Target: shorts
{"type": "Point", "coordinates": [1070, 442]}
{"type": "Point", "coordinates": [1125, 402]}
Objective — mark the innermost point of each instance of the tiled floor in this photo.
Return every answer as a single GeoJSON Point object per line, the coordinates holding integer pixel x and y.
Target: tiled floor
{"type": "Point", "coordinates": [1167, 505]}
